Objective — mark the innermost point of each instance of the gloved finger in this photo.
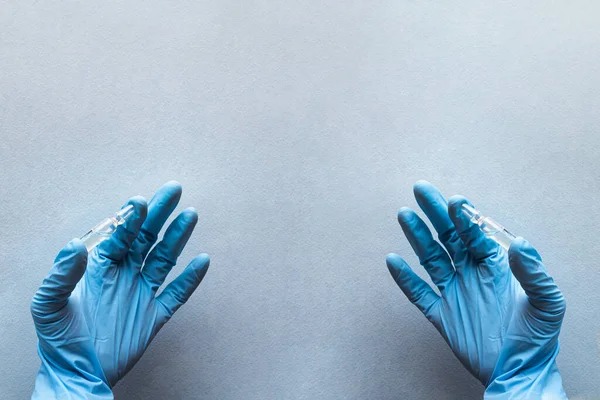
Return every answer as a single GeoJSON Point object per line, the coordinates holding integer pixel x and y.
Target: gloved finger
{"type": "Point", "coordinates": [479, 245]}
{"type": "Point", "coordinates": [160, 208]}
{"type": "Point", "coordinates": [526, 265]}
{"type": "Point", "coordinates": [163, 257]}
{"type": "Point", "coordinates": [435, 206]}
{"type": "Point", "coordinates": [117, 246]}
{"type": "Point", "coordinates": [416, 289]}
{"type": "Point", "coordinates": [179, 291]}
{"type": "Point", "coordinates": [53, 294]}
{"type": "Point", "coordinates": [431, 255]}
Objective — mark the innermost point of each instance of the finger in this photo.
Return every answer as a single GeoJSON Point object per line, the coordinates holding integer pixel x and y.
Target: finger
{"type": "Point", "coordinates": [160, 208]}
{"type": "Point", "coordinates": [179, 291]}
{"type": "Point", "coordinates": [53, 294]}
{"type": "Point", "coordinates": [526, 265]}
{"type": "Point", "coordinates": [117, 246]}
{"type": "Point", "coordinates": [480, 246]}
{"type": "Point", "coordinates": [163, 257]}
{"type": "Point", "coordinates": [431, 255]}
{"type": "Point", "coordinates": [435, 206]}
{"type": "Point", "coordinates": [416, 289]}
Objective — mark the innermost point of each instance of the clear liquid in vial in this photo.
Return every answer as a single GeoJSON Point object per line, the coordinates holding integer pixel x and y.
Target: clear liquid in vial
{"type": "Point", "coordinates": [489, 227]}
{"type": "Point", "coordinates": [104, 229]}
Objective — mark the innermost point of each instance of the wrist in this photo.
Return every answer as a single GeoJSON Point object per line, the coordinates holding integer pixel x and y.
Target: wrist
{"type": "Point", "coordinates": [527, 384]}
{"type": "Point", "coordinates": [71, 381]}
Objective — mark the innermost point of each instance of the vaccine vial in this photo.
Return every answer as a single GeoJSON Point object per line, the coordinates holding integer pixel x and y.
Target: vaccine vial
{"type": "Point", "coordinates": [489, 227]}
{"type": "Point", "coordinates": [104, 229]}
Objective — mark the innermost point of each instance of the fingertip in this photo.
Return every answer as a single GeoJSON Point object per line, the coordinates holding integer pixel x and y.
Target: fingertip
{"type": "Point", "coordinates": [119, 243]}
{"type": "Point", "coordinates": [203, 258]}
{"type": "Point", "coordinates": [200, 265]}
{"type": "Point", "coordinates": [140, 205]}
{"type": "Point", "coordinates": [190, 215]}
{"type": "Point", "coordinates": [74, 255]}
{"type": "Point", "coordinates": [516, 245]}
{"type": "Point", "coordinates": [390, 257]}
{"type": "Point", "coordinates": [173, 187]}
{"type": "Point", "coordinates": [522, 248]}
{"type": "Point", "coordinates": [455, 202]}
{"type": "Point", "coordinates": [74, 250]}
{"type": "Point", "coordinates": [77, 246]}
{"type": "Point", "coordinates": [173, 183]}
{"type": "Point", "coordinates": [422, 186]}
{"type": "Point", "coordinates": [423, 189]}
{"type": "Point", "coordinates": [167, 195]}
{"type": "Point", "coordinates": [405, 214]}
{"type": "Point", "coordinates": [394, 263]}
{"type": "Point", "coordinates": [138, 201]}
{"type": "Point", "coordinates": [202, 261]}
{"type": "Point", "coordinates": [457, 198]}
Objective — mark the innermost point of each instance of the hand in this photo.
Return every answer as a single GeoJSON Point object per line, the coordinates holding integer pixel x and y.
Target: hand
{"type": "Point", "coordinates": [93, 330]}
{"type": "Point", "coordinates": [499, 313]}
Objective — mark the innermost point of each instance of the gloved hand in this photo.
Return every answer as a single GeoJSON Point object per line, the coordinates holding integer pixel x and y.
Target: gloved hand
{"type": "Point", "coordinates": [93, 330]}
{"type": "Point", "coordinates": [499, 313]}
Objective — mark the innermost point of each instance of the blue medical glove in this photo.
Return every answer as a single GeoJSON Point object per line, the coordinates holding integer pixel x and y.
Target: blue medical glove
{"type": "Point", "coordinates": [96, 314]}
{"type": "Point", "coordinates": [499, 313]}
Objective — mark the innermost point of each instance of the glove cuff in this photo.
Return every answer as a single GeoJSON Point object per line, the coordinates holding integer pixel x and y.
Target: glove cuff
{"type": "Point", "coordinates": [56, 382]}
{"type": "Point", "coordinates": [528, 384]}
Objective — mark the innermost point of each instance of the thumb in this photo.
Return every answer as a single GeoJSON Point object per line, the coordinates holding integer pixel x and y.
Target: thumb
{"type": "Point", "coordinates": [52, 296]}
{"type": "Point", "coordinates": [544, 295]}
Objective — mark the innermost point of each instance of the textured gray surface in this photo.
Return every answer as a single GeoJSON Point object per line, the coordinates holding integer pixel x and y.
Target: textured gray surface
{"type": "Point", "coordinates": [297, 130]}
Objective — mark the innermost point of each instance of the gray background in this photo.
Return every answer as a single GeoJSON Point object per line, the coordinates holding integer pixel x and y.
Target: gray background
{"type": "Point", "coordinates": [297, 129]}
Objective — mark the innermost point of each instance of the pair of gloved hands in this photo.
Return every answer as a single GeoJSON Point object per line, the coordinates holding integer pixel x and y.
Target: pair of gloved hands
{"type": "Point", "coordinates": [95, 314]}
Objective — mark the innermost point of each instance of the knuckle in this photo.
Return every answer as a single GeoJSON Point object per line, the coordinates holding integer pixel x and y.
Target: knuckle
{"type": "Point", "coordinates": [561, 305]}
{"type": "Point", "coordinates": [164, 256]}
{"type": "Point", "coordinates": [34, 307]}
{"type": "Point", "coordinates": [37, 307]}
{"type": "Point", "coordinates": [433, 258]}
{"type": "Point", "coordinates": [147, 237]}
{"type": "Point", "coordinates": [179, 297]}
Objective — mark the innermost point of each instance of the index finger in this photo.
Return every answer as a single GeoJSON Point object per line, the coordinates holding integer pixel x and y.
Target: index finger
{"type": "Point", "coordinates": [117, 246]}
{"type": "Point", "coordinates": [160, 208]}
{"type": "Point", "coordinates": [435, 206]}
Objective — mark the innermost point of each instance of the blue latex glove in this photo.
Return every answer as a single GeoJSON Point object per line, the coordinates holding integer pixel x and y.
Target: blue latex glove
{"type": "Point", "coordinates": [499, 313]}
{"type": "Point", "coordinates": [93, 330]}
